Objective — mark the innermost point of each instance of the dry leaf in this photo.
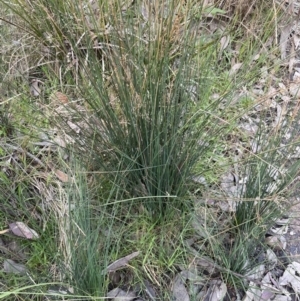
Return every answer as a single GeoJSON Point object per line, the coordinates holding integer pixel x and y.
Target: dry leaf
{"type": "Point", "coordinates": [229, 187]}
{"type": "Point", "coordinates": [296, 76]}
{"type": "Point", "coordinates": [267, 295]}
{"type": "Point", "coordinates": [35, 89]}
{"type": "Point", "coordinates": [235, 68]}
{"type": "Point", "coordinates": [289, 277]}
{"type": "Point", "coordinates": [200, 180]}
{"type": "Point", "coordinates": [283, 221]}
{"type": "Point", "coordinates": [192, 275]}
{"type": "Point", "coordinates": [59, 141]}
{"type": "Point", "coordinates": [118, 294]}
{"type": "Point", "coordinates": [294, 89]}
{"type": "Point", "coordinates": [149, 289]}
{"type": "Point", "coordinates": [269, 282]}
{"type": "Point", "coordinates": [144, 10]}
{"type": "Point", "coordinates": [61, 175]}
{"type": "Point", "coordinates": [224, 42]}
{"type": "Point", "coordinates": [283, 89]}
{"type": "Point", "coordinates": [272, 258]}
{"type": "Point", "coordinates": [279, 229]}
{"type": "Point", "coordinates": [256, 273]}
{"type": "Point", "coordinates": [296, 40]}
{"type": "Point", "coordinates": [253, 293]}
{"type": "Point", "coordinates": [120, 263]}
{"type": "Point", "coordinates": [179, 290]}
{"type": "Point", "coordinates": [59, 97]}
{"type": "Point", "coordinates": [12, 267]}
{"type": "Point", "coordinates": [284, 37]}
{"type": "Point", "coordinates": [74, 127]}
{"type": "Point", "coordinates": [209, 3]}
{"type": "Point", "coordinates": [217, 291]}
{"type": "Point", "coordinates": [272, 290]}
{"type": "Point", "coordinates": [22, 230]}
{"type": "Point", "coordinates": [282, 298]}
{"type": "Point", "coordinates": [60, 290]}
{"type": "Point", "coordinates": [276, 242]}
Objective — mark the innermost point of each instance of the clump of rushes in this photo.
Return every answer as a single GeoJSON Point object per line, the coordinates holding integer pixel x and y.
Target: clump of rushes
{"type": "Point", "coordinates": [155, 102]}
{"type": "Point", "coordinates": [147, 81]}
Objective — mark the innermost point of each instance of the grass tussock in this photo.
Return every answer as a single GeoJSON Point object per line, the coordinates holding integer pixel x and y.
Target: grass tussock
{"type": "Point", "coordinates": [143, 100]}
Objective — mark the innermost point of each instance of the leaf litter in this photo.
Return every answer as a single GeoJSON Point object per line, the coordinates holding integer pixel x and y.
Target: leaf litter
{"type": "Point", "coordinates": [22, 230]}
{"type": "Point", "coordinates": [274, 281]}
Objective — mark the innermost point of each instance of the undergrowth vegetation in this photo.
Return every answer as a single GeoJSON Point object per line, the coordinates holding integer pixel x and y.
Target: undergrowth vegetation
{"type": "Point", "coordinates": [123, 144]}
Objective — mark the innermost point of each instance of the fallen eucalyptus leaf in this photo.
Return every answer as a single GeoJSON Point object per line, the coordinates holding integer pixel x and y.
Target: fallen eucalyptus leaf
{"type": "Point", "coordinates": [272, 258]}
{"type": "Point", "coordinates": [267, 294]}
{"type": "Point", "coordinates": [253, 293]}
{"type": "Point", "coordinates": [22, 230]}
{"type": "Point", "coordinates": [74, 127]}
{"type": "Point", "coordinates": [15, 268]}
{"type": "Point", "coordinates": [200, 180]}
{"type": "Point", "coordinates": [224, 42]}
{"type": "Point", "coordinates": [118, 294]}
{"type": "Point", "coordinates": [217, 291]}
{"type": "Point", "coordinates": [282, 298]}
{"type": "Point", "coordinates": [289, 277]}
{"type": "Point", "coordinates": [270, 283]}
{"type": "Point", "coordinates": [120, 263]}
{"type": "Point", "coordinates": [149, 289]}
{"type": "Point", "coordinates": [44, 143]}
{"type": "Point", "coordinates": [35, 89]}
{"type": "Point", "coordinates": [192, 275]}
{"type": "Point", "coordinates": [59, 97]}
{"type": "Point", "coordinates": [283, 221]}
{"type": "Point", "coordinates": [179, 290]}
{"type": "Point", "coordinates": [59, 290]}
{"type": "Point", "coordinates": [284, 36]}
{"type": "Point", "coordinates": [280, 230]}
{"type": "Point", "coordinates": [276, 242]}
{"type": "Point", "coordinates": [256, 273]}
{"type": "Point", "coordinates": [61, 175]}
{"type": "Point", "coordinates": [206, 263]}
{"type": "Point", "coordinates": [294, 89]}
{"type": "Point", "coordinates": [235, 68]}
{"type": "Point", "coordinates": [59, 141]}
